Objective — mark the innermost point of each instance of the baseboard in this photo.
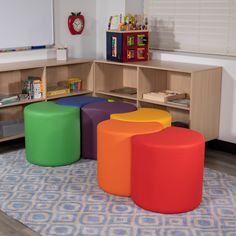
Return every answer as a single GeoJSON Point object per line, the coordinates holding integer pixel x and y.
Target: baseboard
{"type": "Point", "coordinates": [222, 146]}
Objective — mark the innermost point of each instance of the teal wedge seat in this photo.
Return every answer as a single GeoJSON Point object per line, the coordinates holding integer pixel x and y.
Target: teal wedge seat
{"type": "Point", "coordinates": [52, 134]}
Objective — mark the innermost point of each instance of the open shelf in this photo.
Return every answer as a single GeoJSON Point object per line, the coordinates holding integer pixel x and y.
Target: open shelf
{"type": "Point", "coordinates": [22, 102]}
{"type": "Point", "coordinates": [11, 137]}
{"type": "Point", "coordinates": [70, 94]}
{"type": "Point", "coordinates": [126, 96]}
{"type": "Point", "coordinates": [112, 76]}
{"type": "Point", "coordinates": [164, 104]}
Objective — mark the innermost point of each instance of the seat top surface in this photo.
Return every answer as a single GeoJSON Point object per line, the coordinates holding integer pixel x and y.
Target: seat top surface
{"type": "Point", "coordinates": [143, 115]}
{"type": "Point", "coordinates": [49, 109]}
{"type": "Point", "coordinates": [110, 107]}
{"type": "Point", "coordinates": [79, 101]}
{"type": "Point", "coordinates": [118, 127]}
{"type": "Point", "coordinates": [171, 137]}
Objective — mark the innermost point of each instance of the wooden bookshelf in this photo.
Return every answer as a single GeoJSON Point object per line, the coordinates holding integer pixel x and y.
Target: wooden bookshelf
{"type": "Point", "coordinates": [201, 83]}
{"type": "Point", "coordinates": [51, 72]}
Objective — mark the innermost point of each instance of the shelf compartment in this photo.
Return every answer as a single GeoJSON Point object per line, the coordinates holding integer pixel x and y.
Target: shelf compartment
{"type": "Point", "coordinates": [11, 114]}
{"type": "Point", "coordinates": [22, 102]}
{"type": "Point", "coordinates": [59, 75]}
{"type": "Point", "coordinates": [164, 104]}
{"type": "Point", "coordinates": [84, 92]}
{"type": "Point", "coordinates": [11, 137]}
{"type": "Point", "coordinates": [177, 114]}
{"type": "Point", "coordinates": [131, 97]}
{"type": "Point", "coordinates": [111, 76]}
{"type": "Point", "coordinates": [155, 80]}
{"type": "Point", "coordinates": [11, 82]}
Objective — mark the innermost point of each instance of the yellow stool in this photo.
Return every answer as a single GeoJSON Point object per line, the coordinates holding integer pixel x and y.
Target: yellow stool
{"type": "Point", "coordinates": [145, 115]}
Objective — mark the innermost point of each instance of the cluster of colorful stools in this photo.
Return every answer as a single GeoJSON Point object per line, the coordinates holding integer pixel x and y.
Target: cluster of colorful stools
{"type": "Point", "coordinates": [138, 152]}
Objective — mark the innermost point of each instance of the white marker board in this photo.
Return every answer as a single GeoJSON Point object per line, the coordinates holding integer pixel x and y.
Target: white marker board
{"type": "Point", "coordinates": [25, 23]}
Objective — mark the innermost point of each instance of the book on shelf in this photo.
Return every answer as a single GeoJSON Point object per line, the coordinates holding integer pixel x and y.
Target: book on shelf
{"type": "Point", "coordinates": [164, 95]}
{"type": "Point", "coordinates": [57, 90]}
{"type": "Point", "coordinates": [8, 99]}
{"type": "Point", "coordinates": [33, 87]}
{"type": "Point", "coordinates": [125, 90]}
{"type": "Point", "coordinates": [180, 102]}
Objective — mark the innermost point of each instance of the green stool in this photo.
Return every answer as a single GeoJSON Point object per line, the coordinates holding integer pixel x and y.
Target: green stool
{"type": "Point", "coordinates": [52, 134]}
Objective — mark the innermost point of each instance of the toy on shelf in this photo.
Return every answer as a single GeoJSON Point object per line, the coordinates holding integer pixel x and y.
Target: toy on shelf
{"type": "Point", "coordinates": [128, 22]}
{"type": "Point", "coordinates": [127, 39]}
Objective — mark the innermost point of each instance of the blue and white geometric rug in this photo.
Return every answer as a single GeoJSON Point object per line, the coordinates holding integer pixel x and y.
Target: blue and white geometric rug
{"type": "Point", "coordinates": [67, 201]}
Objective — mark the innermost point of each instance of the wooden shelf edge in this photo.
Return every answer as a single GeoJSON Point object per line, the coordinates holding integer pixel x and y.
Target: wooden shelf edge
{"type": "Point", "coordinates": [12, 137]}
{"type": "Point", "coordinates": [22, 102]}
{"type": "Point", "coordinates": [164, 104]}
{"type": "Point", "coordinates": [131, 97]}
{"type": "Point", "coordinates": [70, 94]}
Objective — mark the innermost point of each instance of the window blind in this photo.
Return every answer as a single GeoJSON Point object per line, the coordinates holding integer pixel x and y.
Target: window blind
{"type": "Point", "coordinates": [202, 26]}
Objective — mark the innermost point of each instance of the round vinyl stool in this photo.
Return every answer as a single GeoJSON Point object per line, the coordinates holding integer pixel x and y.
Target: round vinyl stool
{"type": "Point", "coordinates": [79, 101]}
{"type": "Point", "coordinates": [91, 115]}
{"type": "Point", "coordinates": [52, 134]}
{"type": "Point", "coordinates": [114, 153]}
{"type": "Point", "coordinates": [145, 115]}
{"type": "Point", "coordinates": [167, 170]}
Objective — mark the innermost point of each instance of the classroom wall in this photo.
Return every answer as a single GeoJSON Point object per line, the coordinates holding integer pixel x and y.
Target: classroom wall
{"type": "Point", "coordinates": [83, 45]}
{"type": "Point", "coordinates": [105, 9]}
{"type": "Point", "coordinates": [134, 7]}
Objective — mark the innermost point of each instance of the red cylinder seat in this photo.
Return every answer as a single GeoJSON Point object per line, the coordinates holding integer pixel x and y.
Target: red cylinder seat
{"type": "Point", "coordinates": [167, 170]}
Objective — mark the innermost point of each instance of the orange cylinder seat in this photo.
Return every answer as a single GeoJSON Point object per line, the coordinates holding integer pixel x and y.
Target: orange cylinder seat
{"type": "Point", "coordinates": [114, 153]}
{"type": "Point", "coordinates": [167, 170]}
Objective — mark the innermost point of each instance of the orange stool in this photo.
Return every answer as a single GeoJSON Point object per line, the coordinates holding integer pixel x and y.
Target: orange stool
{"type": "Point", "coordinates": [167, 170]}
{"type": "Point", "coordinates": [114, 153]}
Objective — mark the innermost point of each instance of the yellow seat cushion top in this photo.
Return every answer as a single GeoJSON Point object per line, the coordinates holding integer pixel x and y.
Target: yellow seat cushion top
{"type": "Point", "coordinates": [145, 115]}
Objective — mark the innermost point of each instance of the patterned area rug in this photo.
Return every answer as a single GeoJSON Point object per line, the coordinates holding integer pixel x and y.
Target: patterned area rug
{"type": "Point", "coordinates": [67, 201]}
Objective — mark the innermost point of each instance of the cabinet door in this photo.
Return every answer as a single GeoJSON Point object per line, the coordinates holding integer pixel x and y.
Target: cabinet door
{"type": "Point", "coordinates": [135, 46]}
{"type": "Point", "coordinates": [114, 46]}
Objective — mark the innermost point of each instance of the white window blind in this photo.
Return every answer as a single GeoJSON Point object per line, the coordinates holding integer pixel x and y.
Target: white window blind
{"type": "Point", "coordinates": [202, 26]}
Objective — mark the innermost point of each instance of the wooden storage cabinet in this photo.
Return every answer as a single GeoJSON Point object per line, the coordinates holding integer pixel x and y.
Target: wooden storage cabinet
{"type": "Point", "coordinates": [201, 83]}
{"type": "Point", "coordinates": [50, 72]}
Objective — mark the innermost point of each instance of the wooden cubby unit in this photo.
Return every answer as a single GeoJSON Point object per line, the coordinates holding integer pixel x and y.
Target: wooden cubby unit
{"type": "Point", "coordinates": [50, 72]}
{"type": "Point", "coordinates": [201, 83]}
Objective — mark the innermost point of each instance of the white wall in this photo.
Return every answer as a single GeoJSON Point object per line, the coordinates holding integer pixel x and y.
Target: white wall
{"type": "Point", "coordinates": [228, 91]}
{"type": "Point", "coordinates": [83, 45]}
{"type": "Point", "coordinates": [105, 9]}
{"type": "Point", "coordinates": [134, 7]}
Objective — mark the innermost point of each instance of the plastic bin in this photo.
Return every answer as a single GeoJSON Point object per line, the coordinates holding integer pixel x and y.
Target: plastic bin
{"type": "Point", "coordinates": [11, 128]}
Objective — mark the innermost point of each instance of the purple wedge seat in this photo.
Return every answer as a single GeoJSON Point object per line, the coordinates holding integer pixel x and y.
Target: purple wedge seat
{"type": "Point", "coordinates": [91, 115]}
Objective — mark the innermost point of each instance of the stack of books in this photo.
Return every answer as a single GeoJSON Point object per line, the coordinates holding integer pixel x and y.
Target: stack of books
{"type": "Point", "coordinates": [180, 102]}
{"type": "Point", "coordinates": [33, 87]}
{"type": "Point", "coordinates": [8, 99]}
{"type": "Point", "coordinates": [164, 95]}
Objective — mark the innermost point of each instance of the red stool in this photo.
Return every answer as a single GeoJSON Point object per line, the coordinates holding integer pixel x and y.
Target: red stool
{"type": "Point", "coordinates": [167, 170]}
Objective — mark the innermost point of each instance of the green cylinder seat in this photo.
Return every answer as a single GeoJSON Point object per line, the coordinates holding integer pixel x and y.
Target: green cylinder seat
{"type": "Point", "coordinates": [52, 134]}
